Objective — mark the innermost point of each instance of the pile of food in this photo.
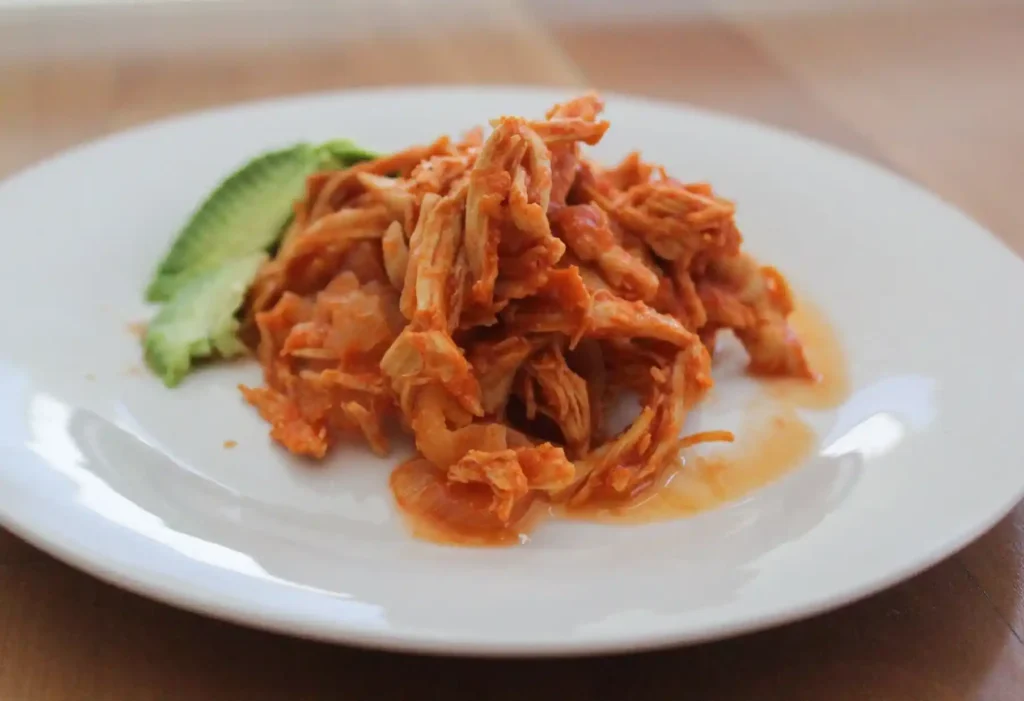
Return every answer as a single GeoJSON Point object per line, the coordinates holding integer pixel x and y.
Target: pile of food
{"type": "Point", "coordinates": [494, 297]}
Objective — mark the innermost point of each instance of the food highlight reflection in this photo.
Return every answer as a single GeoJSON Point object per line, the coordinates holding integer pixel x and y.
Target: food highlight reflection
{"type": "Point", "coordinates": [735, 537]}
{"type": "Point", "coordinates": [872, 437]}
{"type": "Point", "coordinates": [157, 499]}
{"type": "Point", "coordinates": [778, 436]}
{"type": "Point", "coordinates": [63, 446]}
{"type": "Point", "coordinates": [163, 501]}
{"type": "Point", "coordinates": [876, 418]}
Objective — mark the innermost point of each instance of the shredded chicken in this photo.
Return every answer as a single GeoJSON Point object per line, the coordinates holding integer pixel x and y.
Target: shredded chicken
{"type": "Point", "coordinates": [585, 229]}
{"type": "Point", "coordinates": [512, 474]}
{"type": "Point", "coordinates": [493, 296]}
{"type": "Point", "coordinates": [496, 364]}
{"type": "Point", "coordinates": [563, 397]}
{"type": "Point", "coordinates": [753, 302]}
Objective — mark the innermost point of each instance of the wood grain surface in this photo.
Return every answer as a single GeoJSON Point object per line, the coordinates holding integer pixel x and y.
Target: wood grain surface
{"type": "Point", "coordinates": [927, 88]}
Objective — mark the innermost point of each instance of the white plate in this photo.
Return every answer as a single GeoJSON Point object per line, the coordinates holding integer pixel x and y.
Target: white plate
{"type": "Point", "coordinates": [106, 469]}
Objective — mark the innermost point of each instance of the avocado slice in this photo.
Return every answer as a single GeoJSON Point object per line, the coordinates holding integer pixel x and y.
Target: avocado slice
{"type": "Point", "coordinates": [342, 153]}
{"type": "Point", "coordinates": [200, 319]}
{"type": "Point", "coordinates": [247, 212]}
{"type": "Point", "coordinates": [205, 275]}
{"type": "Point", "coordinates": [244, 214]}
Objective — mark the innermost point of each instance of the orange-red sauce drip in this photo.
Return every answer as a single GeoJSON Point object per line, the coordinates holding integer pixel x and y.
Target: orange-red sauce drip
{"type": "Point", "coordinates": [765, 453]}
{"type": "Point", "coordinates": [458, 514]}
{"type": "Point", "coordinates": [137, 329]}
{"type": "Point", "coordinates": [825, 356]}
{"type": "Point", "coordinates": [454, 514]}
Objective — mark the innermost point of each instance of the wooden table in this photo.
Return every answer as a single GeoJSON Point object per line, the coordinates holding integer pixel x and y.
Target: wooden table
{"type": "Point", "coordinates": [926, 87]}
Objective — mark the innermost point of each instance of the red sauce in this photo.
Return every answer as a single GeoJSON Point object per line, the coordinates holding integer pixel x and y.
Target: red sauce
{"type": "Point", "coordinates": [824, 354]}
{"type": "Point", "coordinates": [773, 444]}
{"type": "Point", "coordinates": [137, 329]}
{"type": "Point", "coordinates": [763, 453]}
{"type": "Point", "coordinates": [455, 514]}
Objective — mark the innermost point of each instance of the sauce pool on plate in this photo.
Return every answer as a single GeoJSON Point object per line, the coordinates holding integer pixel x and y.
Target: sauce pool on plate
{"type": "Point", "coordinates": [825, 356]}
{"type": "Point", "coordinates": [762, 454]}
{"type": "Point", "coordinates": [456, 514]}
{"type": "Point", "coordinates": [773, 444]}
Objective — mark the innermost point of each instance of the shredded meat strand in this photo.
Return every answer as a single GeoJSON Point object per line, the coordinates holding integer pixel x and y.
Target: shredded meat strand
{"type": "Point", "coordinates": [494, 296]}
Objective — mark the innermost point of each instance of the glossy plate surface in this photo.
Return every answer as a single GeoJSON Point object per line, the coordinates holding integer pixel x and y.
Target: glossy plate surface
{"type": "Point", "coordinates": [105, 468]}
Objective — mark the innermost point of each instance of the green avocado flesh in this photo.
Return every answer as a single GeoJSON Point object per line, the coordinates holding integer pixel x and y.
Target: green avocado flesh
{"type": "Point", "coordinates": [200, 319]}
{"type": "Point", "coordinates": [203, 279]}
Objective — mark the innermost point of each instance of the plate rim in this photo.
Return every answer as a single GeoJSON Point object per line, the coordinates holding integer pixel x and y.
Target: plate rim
{"type": "Point", "coordinates": [206, 602]}
{"type": "Point", "coordinates": [635, 641]}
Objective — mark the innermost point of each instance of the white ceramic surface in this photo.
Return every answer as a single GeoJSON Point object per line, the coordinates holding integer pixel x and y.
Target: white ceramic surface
{"type": "Point", "coordinates": [105, 468]}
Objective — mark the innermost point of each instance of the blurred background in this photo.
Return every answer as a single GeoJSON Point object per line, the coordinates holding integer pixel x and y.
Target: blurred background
{"type": "Point", "coordinates": [929, 88]}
